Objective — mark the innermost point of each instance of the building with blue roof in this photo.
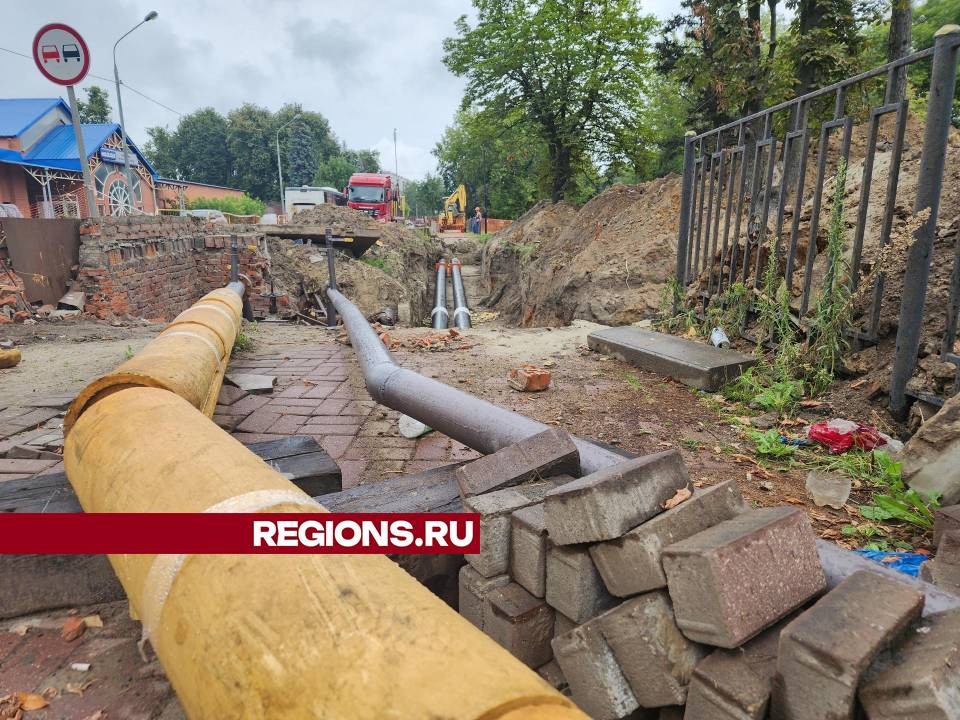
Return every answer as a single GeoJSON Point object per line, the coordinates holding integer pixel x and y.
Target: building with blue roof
{"type": "Point", "coordinates": [40, 165]}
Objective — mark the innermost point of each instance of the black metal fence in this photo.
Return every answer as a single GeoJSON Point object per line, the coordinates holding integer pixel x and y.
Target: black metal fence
{"type": "Point", "coordinates": [747, 191]}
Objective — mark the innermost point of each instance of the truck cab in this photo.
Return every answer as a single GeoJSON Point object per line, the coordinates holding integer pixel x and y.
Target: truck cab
{"type": "Point", "coordinates": [373, 194]}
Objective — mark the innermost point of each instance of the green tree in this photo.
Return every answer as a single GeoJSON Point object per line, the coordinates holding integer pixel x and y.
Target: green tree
{"type": "Point", "coordinates": [575, 68]}
{"type": "Point", "coordinates": [245, 205]}
{"type": "Point", "coordinates": [502, 161]}
{"type": "Point", "coordinates": [96, 108]}
{"type": "Point", "coordinates": [197, 150]}
{"type": "Point", "coordinates": [301, 154]}
{"type": "Point", "coordinates": [161, 149]}
{"type": "Point", "coordinates": [250, 142]}
{"type": "Point", "coordinates": [425, 197]}
{"type": "Point", "coordinates": [716, 52]}
{"type": "Point", "coordinates": [335, 172]}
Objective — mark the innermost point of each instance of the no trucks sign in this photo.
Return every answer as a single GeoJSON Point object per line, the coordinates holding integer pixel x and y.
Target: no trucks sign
{"type": "Point", "coordinates": [61, 54]}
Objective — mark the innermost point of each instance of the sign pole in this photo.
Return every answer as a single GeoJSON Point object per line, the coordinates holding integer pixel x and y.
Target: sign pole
{"type": "Point", "coordinates": [82, 151]}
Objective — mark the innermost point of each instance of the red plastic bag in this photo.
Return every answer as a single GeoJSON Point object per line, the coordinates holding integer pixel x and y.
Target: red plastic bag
{"type": "Point", "coordinates": [840, 435]}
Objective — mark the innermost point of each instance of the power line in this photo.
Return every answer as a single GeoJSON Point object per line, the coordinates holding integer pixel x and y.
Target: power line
{"type": "Point", "coordinates": [109, 80]}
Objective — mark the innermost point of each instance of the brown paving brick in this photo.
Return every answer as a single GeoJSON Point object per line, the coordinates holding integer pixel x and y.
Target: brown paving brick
{"type": "Point", "coordinates": [385, 442]}
{"type": "Point", "coordinates": [227, 422]}
{"type": "Point", "coordinates": [38, 656]}
{"type": "Point", "coordinates": [320, 391]}
{"type": "Point", "coordinates": [287, 425]}
{"type": "Point", "coordinates": [230, 394]}
{"type": "Point", "coordinates": [259, 421]}
{"type": "Point", "coordinates": [378, 427]}
{"type": "Point", "coordinates": [433, 447]}
{"type": "Point", "coordinates": [352, 472]}
{"type": "Point", "coordinates": [335, 445]}
{"type": "Point", "coordinates": [381, 469]}
{"type": "Point", "coordinates": [295, 402]}
{"type": "Point", "coordinates": [460, 452]}
{"type": "Point", "coordinates": [388, 453]}
{"type": "Point", "coordinates": [417, 466]}
{"type": "Point", "coordinates": [304, 411]}
{"type": "Point", "coordinates": [331, 407]}
{"type": "Point", "coordinates": [311, 428]}
{"type": "Point", "coordinates": [8, 644]}
{"type": "Point", "coordinates": [244, 406]}
{"type": "Point", "coordinates": [294, 391]}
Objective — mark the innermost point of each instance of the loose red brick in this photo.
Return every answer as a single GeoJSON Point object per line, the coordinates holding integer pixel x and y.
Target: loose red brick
{"type": "Point", "coordinates": [529, 378]}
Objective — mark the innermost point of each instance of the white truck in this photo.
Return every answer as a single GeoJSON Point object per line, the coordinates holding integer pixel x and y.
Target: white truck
{"type": "Point", "coordinates": [305, 197]}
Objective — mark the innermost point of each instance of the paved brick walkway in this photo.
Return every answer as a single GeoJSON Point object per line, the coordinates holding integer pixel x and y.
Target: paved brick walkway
{"type": "Point", "coordinates": [320, 392]}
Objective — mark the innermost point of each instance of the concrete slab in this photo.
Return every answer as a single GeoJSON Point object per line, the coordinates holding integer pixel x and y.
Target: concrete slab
{"type": "Point", "coordinates": [695, 364]}
{"type": "Point", "coordinates": [251, 383]}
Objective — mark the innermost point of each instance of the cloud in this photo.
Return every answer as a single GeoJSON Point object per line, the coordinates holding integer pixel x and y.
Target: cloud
{"type": "Point", "coordinates": [368, 67]}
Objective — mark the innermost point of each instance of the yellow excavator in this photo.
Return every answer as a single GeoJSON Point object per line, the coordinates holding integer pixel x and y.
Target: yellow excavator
{"type": "Point", "coordinates": [454, 215]}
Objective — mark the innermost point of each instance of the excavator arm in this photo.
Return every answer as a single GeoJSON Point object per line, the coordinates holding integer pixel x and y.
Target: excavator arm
{"type": "Point", "coordinates": [454, 215]}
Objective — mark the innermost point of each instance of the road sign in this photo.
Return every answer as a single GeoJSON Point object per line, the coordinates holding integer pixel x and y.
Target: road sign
{"type": "Point", "coordinates": [61, 54]}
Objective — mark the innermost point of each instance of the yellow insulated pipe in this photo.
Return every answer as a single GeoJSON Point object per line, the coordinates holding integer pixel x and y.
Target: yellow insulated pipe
{"type": "Point", "coordinates": [280, 636]}
{"type": "Point", "coordinates": [189, 357]}
{"type": "Point", "coordinates": [269, 636]}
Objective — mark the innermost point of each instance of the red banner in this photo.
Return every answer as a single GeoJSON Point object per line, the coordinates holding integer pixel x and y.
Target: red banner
{"type": "Point", "coordinates": [239, 533]}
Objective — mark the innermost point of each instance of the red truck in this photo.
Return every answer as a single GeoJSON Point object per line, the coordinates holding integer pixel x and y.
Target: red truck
{"type": "Point", "coordinates": [373, 194]}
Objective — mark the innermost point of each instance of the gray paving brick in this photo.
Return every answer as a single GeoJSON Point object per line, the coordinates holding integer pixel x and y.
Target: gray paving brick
{"type": "Point", "coordinates": [921, 678]}
{"type": "Point", "coordinates": [574, 587]}
{"type": "Point", "coordinates": [654, 656]}
{"type": "Point", "coordinates": [551, 452]}
{"type": "Point", "coordinates": [946, 518]}
{"type": "Point", "coordinates": [495, 509]}
{"type": "Point", "coordinates": [596, 683]}
{"type": "Point", "coordinates": [731, 581]}
{"type": "Point", "coordinates": [735, 684]}
{"type": "Point", "coordinates": [606, 504]}
{"type": "Point", "coordinates": [521, 623]}
{"type": "Point", "coordinates": [824, 652]}
{"type": "Point", "coordinates": [474, 589]}
{"type": "Point", "coordinates": [631, 564]}
{"type": "Point", "coordinates": [528, 549]}
{"type": "Point", "coordinates": [552, 673]}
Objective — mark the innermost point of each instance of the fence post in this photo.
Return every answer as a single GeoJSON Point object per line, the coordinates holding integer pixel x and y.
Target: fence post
{"type": "Point", "coordinates": [686, 190]}
{"type": "Point", "coordinates": [943, 78]}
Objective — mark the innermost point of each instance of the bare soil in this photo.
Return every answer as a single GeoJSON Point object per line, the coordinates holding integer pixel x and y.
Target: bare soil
{"type": "Point", "coordinates": [397, 270]}
{"type": "Point", "coordinates": [59, 358]}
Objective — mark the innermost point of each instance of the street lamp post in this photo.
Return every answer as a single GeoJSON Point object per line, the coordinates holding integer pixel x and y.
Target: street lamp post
{"type": "Point", "coordinates": [279, 170]}
{"type": "Point", "coordinates": [123, 128]}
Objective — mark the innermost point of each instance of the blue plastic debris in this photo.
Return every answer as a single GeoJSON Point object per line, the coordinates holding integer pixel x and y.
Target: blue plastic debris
{"type": "Point", "coordinates": [906, 562]}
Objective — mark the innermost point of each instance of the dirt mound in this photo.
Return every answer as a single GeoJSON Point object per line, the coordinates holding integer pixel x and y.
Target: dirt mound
{"type": "Point", "coordinates": [606, 262]}
{"type": "Point", "coordinates": [339, 218]}
{"type": "Point", "coordinates": [397, 270]}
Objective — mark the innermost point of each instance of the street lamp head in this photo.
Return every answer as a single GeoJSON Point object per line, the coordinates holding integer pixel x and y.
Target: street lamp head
{"type": "Point", "coordinates": [150, 16]}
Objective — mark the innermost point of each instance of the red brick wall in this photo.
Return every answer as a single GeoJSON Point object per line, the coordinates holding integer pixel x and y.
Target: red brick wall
{"type": "Point", "coordinates": [13, 187]}
{"type": "Point", "coordinates": [156, 267]}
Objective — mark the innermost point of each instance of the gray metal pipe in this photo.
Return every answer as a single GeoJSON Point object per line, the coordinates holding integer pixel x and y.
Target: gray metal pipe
{"type": "Point", "coordinates": [439, 317]}
{"type": "Point", "coordinates": [461, 313]}
{"type": "Point", "coordinates": [486, 427]}
{"type": "Point", "coordinates": [476, 423]}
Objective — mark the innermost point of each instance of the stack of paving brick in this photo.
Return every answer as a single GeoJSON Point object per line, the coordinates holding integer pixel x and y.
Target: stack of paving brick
{"type": "Point", "coordinates": [707, 610]}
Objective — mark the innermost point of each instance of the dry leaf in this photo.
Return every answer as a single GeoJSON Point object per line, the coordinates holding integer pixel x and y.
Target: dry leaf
{"type": "Point", "coordinates": [73, 628]}
{"type": "Point", "coordinates": [810, 403]}
{"type": "Point", "coordinates": [93, 621]}
{"type": "Point", "coordinates": [859, 383]}
{"type": "Point", "coordinates": [98, 715]}
{"type": "Point", "coordinates": [31, 701]}
{"type": "Point", "coordinates": [678, 497]}
{"type": "Point", "coordinates": [78, 688]}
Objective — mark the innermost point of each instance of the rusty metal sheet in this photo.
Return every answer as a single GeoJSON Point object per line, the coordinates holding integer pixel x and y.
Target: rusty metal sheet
{"type": "Point", "coordinates": [43, 251]}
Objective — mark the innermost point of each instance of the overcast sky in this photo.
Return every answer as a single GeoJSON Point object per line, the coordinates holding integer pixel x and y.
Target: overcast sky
{"type": "Point", "coordinates": [368, 67]}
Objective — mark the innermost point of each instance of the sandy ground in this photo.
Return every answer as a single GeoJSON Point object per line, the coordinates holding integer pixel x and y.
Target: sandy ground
{"type": "Point", "coordinates": [59, 358]}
